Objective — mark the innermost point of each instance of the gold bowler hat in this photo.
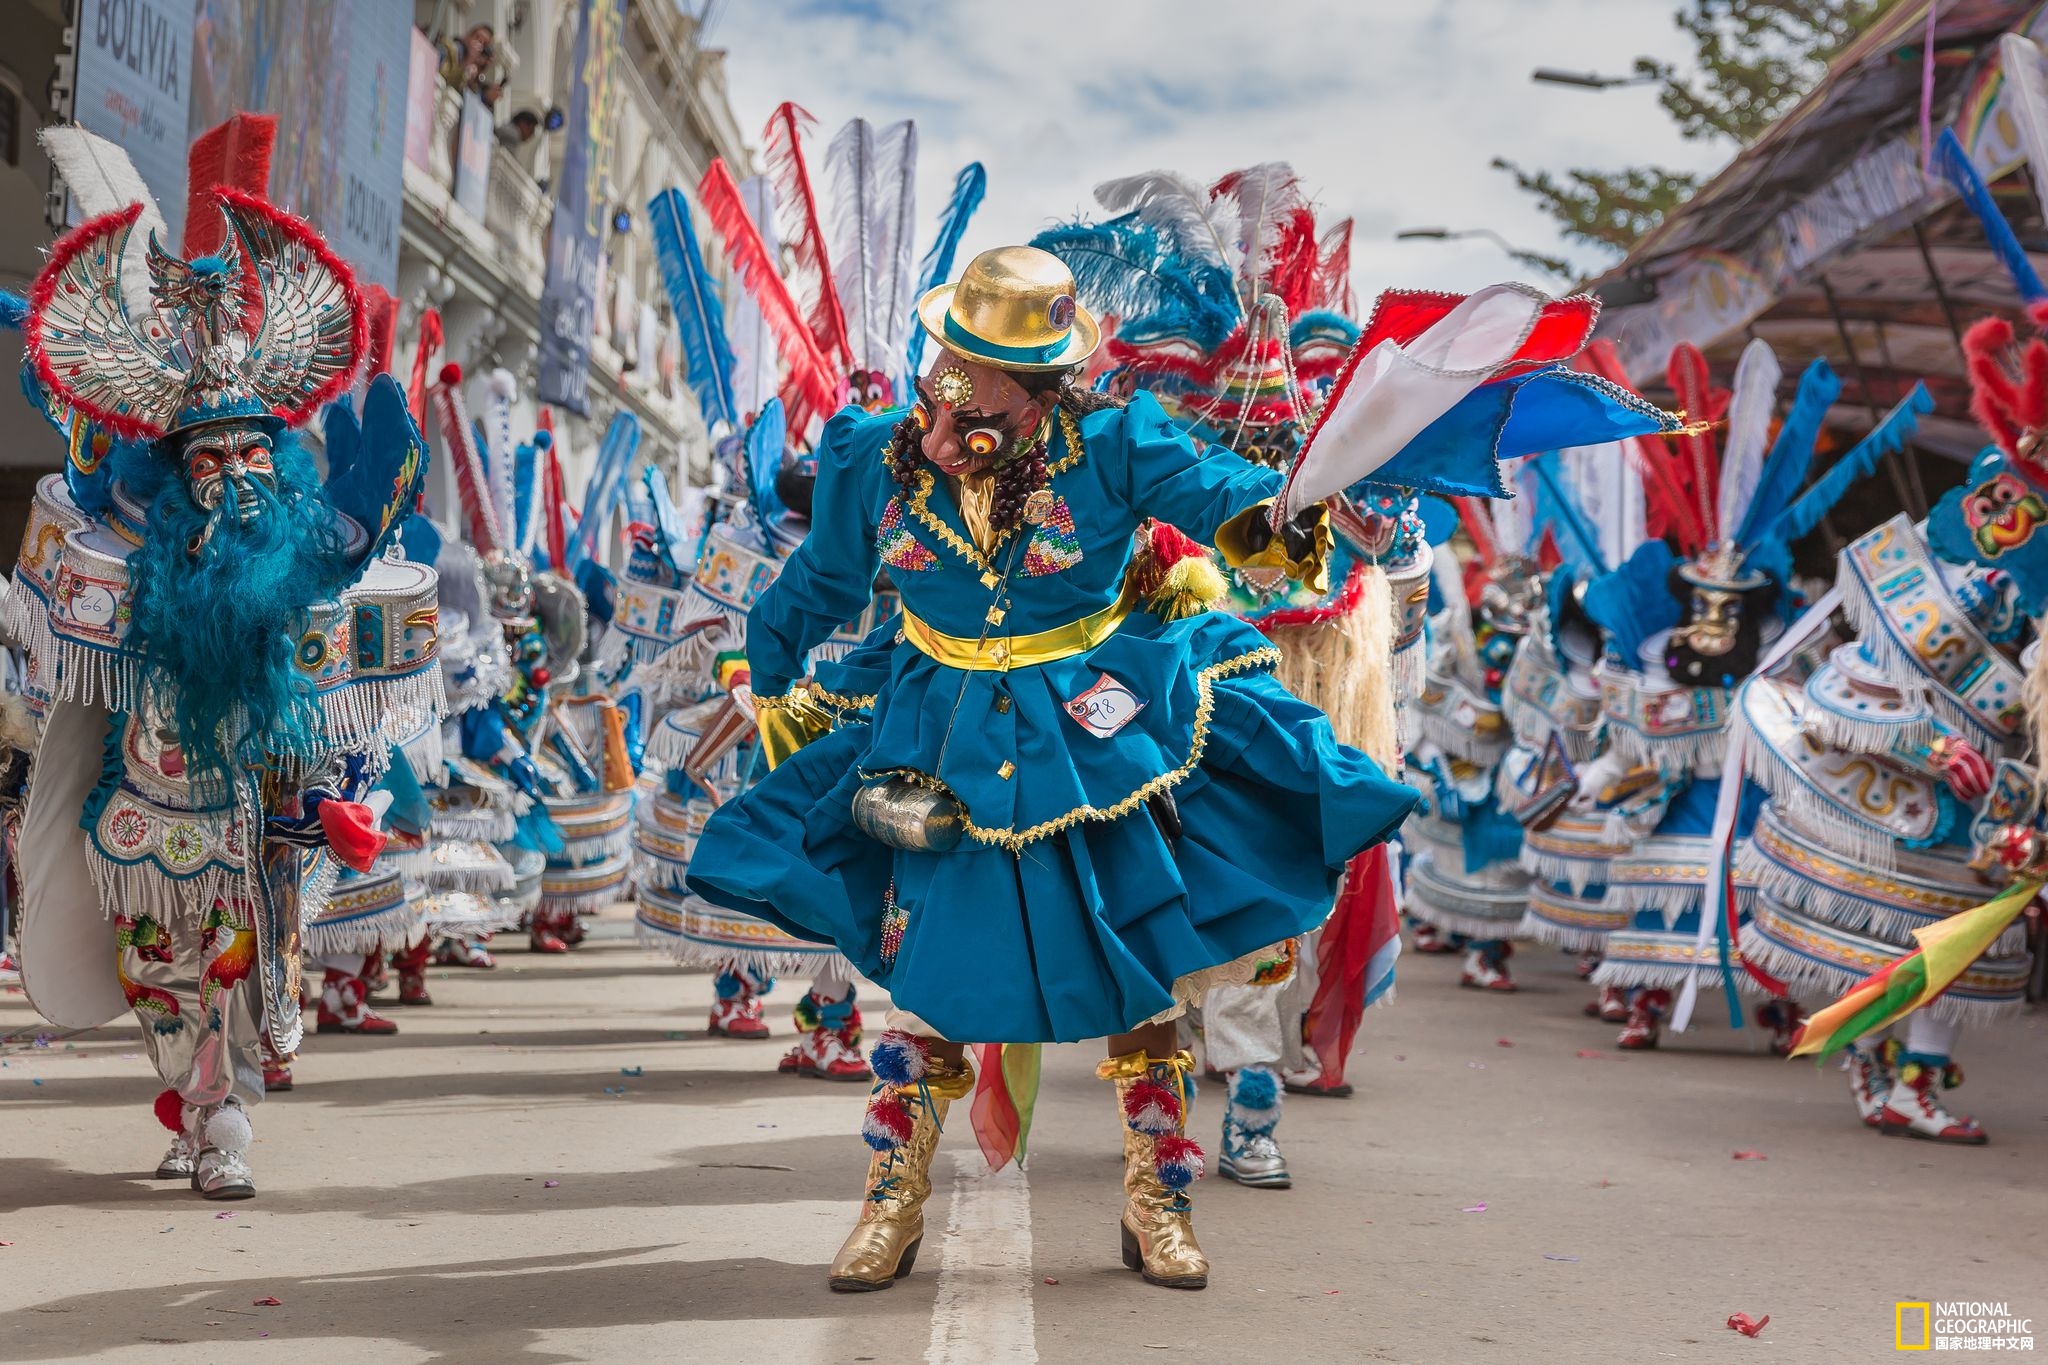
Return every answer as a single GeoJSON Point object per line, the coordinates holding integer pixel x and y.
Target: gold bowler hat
{"type": "Point", "coordinates": [1014, 309]}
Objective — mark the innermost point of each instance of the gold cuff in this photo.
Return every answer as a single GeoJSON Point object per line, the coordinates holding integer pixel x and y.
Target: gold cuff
{"type": "Point", "coordinates": [1234, 540]}
{"type": "Point", "coordinates": [787, 723]}
{"type": "Point", "coordinates": [1134, 1065]}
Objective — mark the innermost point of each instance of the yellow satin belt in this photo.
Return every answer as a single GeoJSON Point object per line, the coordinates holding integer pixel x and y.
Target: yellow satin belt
{"type": "Point", "coordinates": [1001, 653]}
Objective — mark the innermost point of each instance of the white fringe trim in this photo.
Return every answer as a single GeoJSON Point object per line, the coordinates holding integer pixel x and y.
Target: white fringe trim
{"type": "Point", "coordinates": [1461, 743]}
{"type": "Point", "coordinates": [1886, 652]}
{"type": "Point", "coordinates": [1809, 978]}
{"type": "Point", "coordinates": [145, 888]}
{"type": "Point", "coordinates": [1576, 873]}
{"type": "Point", "coordinates": [1864, 737]}
{"type": "Point", "coordinates": [386, 928]}
{"type": "Point", "coordinates": [1815, 816]}
{"type": "Point", "coordinates": [1571, 939]}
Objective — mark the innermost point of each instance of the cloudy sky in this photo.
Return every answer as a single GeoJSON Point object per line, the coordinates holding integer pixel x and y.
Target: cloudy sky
{"type": "Point", "coordinates": [1390, 110]}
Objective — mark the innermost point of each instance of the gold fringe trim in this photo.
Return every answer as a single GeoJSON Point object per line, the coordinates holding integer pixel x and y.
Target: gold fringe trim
{"type": "Point", "coordinates": [1015, 841]}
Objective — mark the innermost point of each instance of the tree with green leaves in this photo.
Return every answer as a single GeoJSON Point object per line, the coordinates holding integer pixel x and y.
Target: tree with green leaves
{"type": "Point", "coordinates": [1755, 59]}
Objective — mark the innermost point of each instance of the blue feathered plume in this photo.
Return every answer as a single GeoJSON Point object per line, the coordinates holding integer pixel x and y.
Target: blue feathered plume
{"type": "Point", "coordinates": [1773, 551]}
{"type": "Point", "coordinates": [1955, 166]}
{"type": "Point", "coordinates": [1632, 603]}
{"type": "Point", "coordinates": [376, 465]}
{"type": "Point", "coordinates": [671, 532]}
{"type": "Point", "coordinates": [700, 316]}
{"type": "Point", "coordinates": [607, 483]}
{"type": "Point", "coordinates": [1791, 456]}
{"type": "Point", "coordinates": [1122, 267]}
{"type": "Point", "coordinates": [525, 472]}
{"type": "Point", "coordinates": [1558, 511]}
{"type": "Point", "coordinates": [764, 461]}
{"type": "Point", "coordinates": [968, 188]}
{"type": "Point", "coordinates": [13, 311]}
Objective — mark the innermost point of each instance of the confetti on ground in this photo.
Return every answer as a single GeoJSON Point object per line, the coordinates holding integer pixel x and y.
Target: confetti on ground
{"type": "Point", "coordinates": [1399, 1057]}
{"type": "Point", "coordinates": [1475, 1208]}
{"type": "Point", "coordinates": [167, 1230]}
{"type": "Point", "coordinates": [1747, 1155]}
{"type": "Point", "coordinates": [1590, 1052]}
{"type": "Point", "coordinates": [1477, 1066]}
{"type": "Point", "coordinates": [1050, 1280]}
{"type": "Point", "coordinates": [630, 1070]}
{"type": "Point", "coordinates": [549, 1184]}
{"type": "Point", "coordinates": [1548, 1257]}
{"type": "Point", "coordinates": [6, 1244]}
{"type": "Point", "coordinates": [1745, 1324]}
{"type": "Point", "coordinates": [1503, 1042]}
{"type": "Point", "coordinates": [223, 1217]}
{"type": "Point", "coordinates": [268, 1301]}
{"type": "Point", "coordinates": [615, 1090]}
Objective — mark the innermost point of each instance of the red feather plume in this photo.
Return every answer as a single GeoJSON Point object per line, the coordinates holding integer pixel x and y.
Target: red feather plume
{"type": "Point", "coordinates": [1666, 509]}
{"type": "Point", "coordinates": [1333, 271]}
{"type": "Point", "coordinates": [1293, 257]}
{"type": "Point", "coordinates": [423, 365]}
{"type": "Point", "coordinates": [798, 221]}
{"type": "Point", "coordinates": [381, 310]}
{"type": "Point", "coordinates": [2008, 389]}
{"type": "Point", "coordinates": [1699, 467]}
{"type": "Point", "coordinates": [231, 155]}
{"type": "Point", "coordinates": [811, 382]}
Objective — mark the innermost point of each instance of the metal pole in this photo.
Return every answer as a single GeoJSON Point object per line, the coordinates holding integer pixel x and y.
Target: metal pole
{"type": "Point", "coordinates": [1884, 350]}
{"type": "Point", "coordinates": [1948, 309]}
{"type": "Point", "coordinates": [1900, 488]}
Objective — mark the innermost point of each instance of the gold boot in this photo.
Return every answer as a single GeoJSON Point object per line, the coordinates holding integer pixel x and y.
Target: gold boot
{"type": "Point", "coordinates": [1158, 1222]}
{"type": "Point", "coordinates": [883, 1245]}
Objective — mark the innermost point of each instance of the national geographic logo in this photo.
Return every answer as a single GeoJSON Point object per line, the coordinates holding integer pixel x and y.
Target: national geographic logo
{"type": "Point", "coordinates": [1959, 1325]}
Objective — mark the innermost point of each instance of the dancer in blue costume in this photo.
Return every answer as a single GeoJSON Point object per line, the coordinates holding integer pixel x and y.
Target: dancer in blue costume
{"type": "Point", "coordinates": [1068, 812]}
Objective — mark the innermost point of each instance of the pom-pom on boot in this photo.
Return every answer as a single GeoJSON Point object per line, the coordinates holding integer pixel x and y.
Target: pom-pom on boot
{"type": "Point", "coordinates": [1160, 1163]}
{"type": "Point", "coordinates": [345, 1007]}
{"type": "Point", "coordinates": [905, 1114]}
{"type": "Point", "coordinates": [830, 1047]}
{"type": "Point", "coordinates": [181, 1118]}
{"type": "Point", "coordinates": [1251, 1155]}
{"type": "Point", "coordinates": [1913, 1108]}
{"type": "Point", "coordinates": [736, 1013]}
{"type": "Point", "coordinates": [1645, 1021]}
{"type": "Point", "coordinates": [222, 1170]}
{"type": "Point", "coordinates": [1870, 1079]}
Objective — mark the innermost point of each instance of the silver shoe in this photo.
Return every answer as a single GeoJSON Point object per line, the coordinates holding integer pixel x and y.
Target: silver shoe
{"type": "Point", "coordinates": [178, 1161]}
{"type": "Point", "coordinates": [1253, 1159]}
{"type": "Point", "coordinates": [223, 1175]}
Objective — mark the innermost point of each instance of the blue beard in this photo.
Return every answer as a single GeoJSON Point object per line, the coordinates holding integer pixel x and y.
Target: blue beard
{"type": "Point", "coordinates": [218, 629]}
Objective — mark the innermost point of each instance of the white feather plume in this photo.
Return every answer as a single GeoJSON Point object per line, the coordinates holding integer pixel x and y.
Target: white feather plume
{"type": "Point", "coordinates": [1455, 620]}
{"type": "Point", "coordinates": [755, 363]}
{"type": "Point", "coordinates": [102, 179]}
{"type": "Point", "coordinates": [896, 186]}
{"type": "Point", "coordinates": [1260, 195]}
{"type": "Point", "coordinates": [1749, 431]}
{"type": "Point", "coordinates": [858, 226]}
{"type": "Point", "coordinates": [502, 391]}
{"type": "Point", "coordinates": [1172, 204]}
{"type": "Point", "coordinates": [1511, 515]}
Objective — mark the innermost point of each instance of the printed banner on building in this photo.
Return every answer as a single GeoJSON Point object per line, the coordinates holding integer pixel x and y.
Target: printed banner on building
{"type": "Point", "coordinates": [133, 87]}
{"type": "Point", "coordinates": [337, 77]}
{"type": "Point", "coordinates": [422, 93]}
{"type": "Point", "coordinates": [473, 142]}
{"type": "Point", "coordinates": [568, 300]}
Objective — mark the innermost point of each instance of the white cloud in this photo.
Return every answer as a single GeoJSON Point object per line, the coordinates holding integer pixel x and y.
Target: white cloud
{"type": "Point", "coordinates": [1389, 110]}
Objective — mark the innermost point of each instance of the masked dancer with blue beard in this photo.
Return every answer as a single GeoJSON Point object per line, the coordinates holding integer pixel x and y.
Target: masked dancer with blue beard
{"type": "Point", "coordinates": [223, 650]}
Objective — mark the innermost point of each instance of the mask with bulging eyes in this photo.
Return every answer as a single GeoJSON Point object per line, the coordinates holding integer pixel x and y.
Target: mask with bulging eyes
{"type": "Point", "coordinates": [1722, 635]}
{"type": "Point", "coordinates": [229, 459]}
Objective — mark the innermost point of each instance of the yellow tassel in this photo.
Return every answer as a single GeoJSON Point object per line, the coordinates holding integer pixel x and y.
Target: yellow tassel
{"type": "Point", "coordinates": [1191, 587]}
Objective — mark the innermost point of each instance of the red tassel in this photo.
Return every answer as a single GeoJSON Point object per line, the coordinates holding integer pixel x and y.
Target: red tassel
{"type": "Point", "coordinates": [352, 833]}
{"type": "Point", "coordinates": [232, 155]}
{"type": "Point", "coordinates": [170, 1110]}
{"type": "Point", "coordinates": [803, 235]}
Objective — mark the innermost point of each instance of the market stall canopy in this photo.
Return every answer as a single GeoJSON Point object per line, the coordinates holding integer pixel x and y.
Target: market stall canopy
{"type": "Point", "coordinates": [1823, 237]}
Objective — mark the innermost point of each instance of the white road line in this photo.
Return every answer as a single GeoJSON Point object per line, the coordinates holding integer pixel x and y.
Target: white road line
{"type": "Point", "coordinates": [983, 1313]}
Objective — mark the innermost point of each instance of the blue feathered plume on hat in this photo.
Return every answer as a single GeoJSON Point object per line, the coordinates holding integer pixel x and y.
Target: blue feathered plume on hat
{"type": "Point", "coordinates": [700, 315]}
{"type": "Point", "coordinates": [1126, 268]}
{"type": "Point", "coordinates": [968, 189]}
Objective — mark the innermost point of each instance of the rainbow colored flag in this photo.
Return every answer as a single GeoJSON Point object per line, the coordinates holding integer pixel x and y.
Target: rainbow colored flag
{"type": "Point", "coordinates": [1885, 997]}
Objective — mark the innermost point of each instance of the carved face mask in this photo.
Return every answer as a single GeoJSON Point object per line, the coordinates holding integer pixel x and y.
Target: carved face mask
{"type": "Point", "coordinates": [229, 459]}
{"type": "Point", "coordinates": [1723, 633]}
